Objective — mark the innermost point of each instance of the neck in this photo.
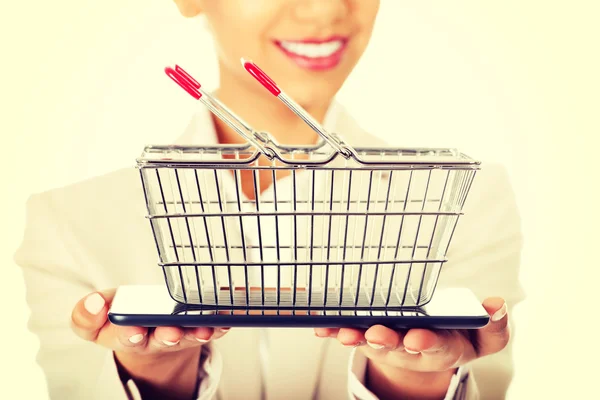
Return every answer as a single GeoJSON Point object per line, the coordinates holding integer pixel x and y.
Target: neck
{"type": "Point", "coordinates": [265, 113]}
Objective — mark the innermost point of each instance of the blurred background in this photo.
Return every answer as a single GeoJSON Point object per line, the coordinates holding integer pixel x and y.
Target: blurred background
{"type": "Point", "coordinates": [511, 81]}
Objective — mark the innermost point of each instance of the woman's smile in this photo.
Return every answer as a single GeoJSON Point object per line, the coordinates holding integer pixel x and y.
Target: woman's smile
{"type": "Point", "coordinates": [314, 54]}
{"type": "Point", "coordinates": [307, 47]}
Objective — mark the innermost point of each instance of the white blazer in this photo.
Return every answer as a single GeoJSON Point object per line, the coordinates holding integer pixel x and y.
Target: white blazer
{"type": "Point", "coordinates": [94, 235]}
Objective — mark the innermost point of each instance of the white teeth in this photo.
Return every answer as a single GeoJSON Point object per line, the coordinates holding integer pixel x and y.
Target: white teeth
{"type": "Point", "coordinates": [312, 50]}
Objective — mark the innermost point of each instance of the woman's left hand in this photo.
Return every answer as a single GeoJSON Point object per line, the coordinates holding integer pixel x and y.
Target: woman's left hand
{"type": "Point", "coordinates": [419, 362]}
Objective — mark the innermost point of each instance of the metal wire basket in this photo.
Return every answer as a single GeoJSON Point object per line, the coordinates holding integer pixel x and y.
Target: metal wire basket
{"type": "Point", "coordinates": [266, 226]}
{"type": "Point", "coordinates": [370, 231]}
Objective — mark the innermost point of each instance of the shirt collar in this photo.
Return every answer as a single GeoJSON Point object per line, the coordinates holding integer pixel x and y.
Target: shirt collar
{"type": "Point", "coordinates": [200, 130]}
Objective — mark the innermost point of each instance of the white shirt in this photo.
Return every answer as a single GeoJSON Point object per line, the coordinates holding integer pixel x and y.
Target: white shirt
{"type": "Point", "coordinates": [92, 235]}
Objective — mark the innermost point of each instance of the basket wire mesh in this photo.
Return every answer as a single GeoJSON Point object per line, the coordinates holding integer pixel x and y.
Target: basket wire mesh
{"type": "Point", "coordinates": [308, 228]}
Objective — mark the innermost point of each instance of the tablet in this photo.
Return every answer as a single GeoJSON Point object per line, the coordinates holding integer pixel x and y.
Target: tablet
{"type": "Point", "coordinates": [151, 306]}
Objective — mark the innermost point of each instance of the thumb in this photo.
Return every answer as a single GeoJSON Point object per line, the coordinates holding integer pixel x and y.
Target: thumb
{"type": "Point", "coordinates": [495, 335]}
{"type": "Point", "coordinates": [90, 314]}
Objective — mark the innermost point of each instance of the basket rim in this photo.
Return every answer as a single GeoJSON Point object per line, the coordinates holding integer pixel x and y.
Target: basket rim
{"type": "Point", "coordinates": [415, 157]}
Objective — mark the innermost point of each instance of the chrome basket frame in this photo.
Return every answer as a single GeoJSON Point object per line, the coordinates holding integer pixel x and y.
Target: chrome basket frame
{"type": "Point", "coordinates": [325, 283]}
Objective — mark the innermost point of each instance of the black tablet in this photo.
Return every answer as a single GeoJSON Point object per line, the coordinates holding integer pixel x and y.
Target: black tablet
{"type": "Point", "coordinates": [152, 306]}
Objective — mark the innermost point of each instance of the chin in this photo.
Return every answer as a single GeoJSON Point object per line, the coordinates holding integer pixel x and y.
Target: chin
{"type": "Point", "coordinates": [310, 99]}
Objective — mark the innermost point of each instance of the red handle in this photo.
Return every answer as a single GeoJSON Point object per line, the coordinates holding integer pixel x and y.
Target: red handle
{"type": "Point", "coordinates": [185, 80]}
{"type": "Point", "coordinates": [261, 77]}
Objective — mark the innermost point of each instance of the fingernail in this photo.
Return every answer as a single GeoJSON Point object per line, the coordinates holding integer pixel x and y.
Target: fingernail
{"type": "Point", "coordinates": [498, 315]}
{"type": "Point", "coordinates": [376, 346]}
{"type": "Point", "coordinates": [224, 329]}
{"type": "Point", "coordinates": [168, 343]}
{"type": "Point", "coordinates": [202, 340]}
{"type": "Point", "coordinates": [409, 351]}
{"type": "Point", "coordinates": [94, 303]}
{"type": "Point", "coordinates": [135, 339]}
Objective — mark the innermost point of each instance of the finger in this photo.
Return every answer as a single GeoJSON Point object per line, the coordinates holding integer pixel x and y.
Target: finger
{"type": "Point", "coordinates": [220, 332]}
{"type": "Point", "coordinates": [351, 337]}
{"type": "Point", "coordinates": [165, 337]}
{"type": "Point", "coordinates": [498, 311]}
{"type": "Point", "coordinates": [199, 335]}
{"type": "Point", "coordinates": [438, 350]}
{"type": "Point", "coordinates": [90, 314]}
{"type": "Point", "coordinates": [421, 340]}
{"type": "Point", "coordinates": [496, 334]}
{"type": "Point", "coordinates": [122, 337]}
{"type": "Point", "coordinates": [326, 332]}
{"type": "Point", "coordinates": [379, 337]}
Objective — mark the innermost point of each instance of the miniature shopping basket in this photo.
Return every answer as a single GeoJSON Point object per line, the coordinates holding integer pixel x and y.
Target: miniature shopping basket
{"type": "Point", "coordinates": [328, 226]}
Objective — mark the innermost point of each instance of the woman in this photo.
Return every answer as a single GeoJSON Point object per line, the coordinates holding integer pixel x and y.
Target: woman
{"type": "Point", "coordinates": [83, 240]}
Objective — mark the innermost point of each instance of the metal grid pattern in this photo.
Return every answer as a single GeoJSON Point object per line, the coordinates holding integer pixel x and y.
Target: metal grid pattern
{"type": "Point", "coordinates": [368, 232]}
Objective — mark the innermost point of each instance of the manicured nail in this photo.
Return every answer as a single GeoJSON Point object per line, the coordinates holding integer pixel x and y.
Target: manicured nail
{"type": "Point", "coordinates": [202, 340]}
{"type": "Point", "coordinates": [169, 343]}
{"type": "Point", "coordinates": [94, 303]}
{"type": "Point", "coordinates": [409, 351]}
{"type": "Point", "coordinates": [498, 315]}
{"type": "Point", "coordinates": [376, 346]}
{"type": "Point", "coordinates": [224, 329]}
{"type": "Point", "coordinates": [135, 339]}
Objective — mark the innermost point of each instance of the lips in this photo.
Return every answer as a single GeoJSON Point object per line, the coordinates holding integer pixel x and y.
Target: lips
{"type": "Point", "coordinates": [314, 54]}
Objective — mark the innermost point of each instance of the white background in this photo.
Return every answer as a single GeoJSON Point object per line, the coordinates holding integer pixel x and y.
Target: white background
{"type": "Point", "coordinates": [511, 81]}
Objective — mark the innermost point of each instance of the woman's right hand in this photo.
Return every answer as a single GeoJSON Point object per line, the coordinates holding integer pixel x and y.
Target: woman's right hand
{"type": "Point", "coordinates": [162, 360]}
